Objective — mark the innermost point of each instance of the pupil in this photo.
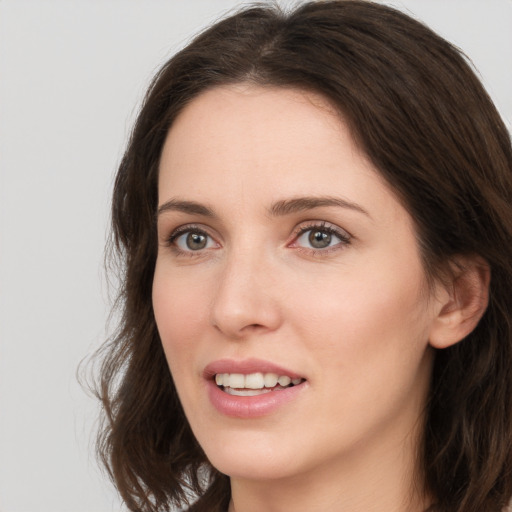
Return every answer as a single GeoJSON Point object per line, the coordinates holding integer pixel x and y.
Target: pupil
{"type": "Point", "coordinates": [196, 241]}
{"type": "Point", "coordinates": [319, 239]}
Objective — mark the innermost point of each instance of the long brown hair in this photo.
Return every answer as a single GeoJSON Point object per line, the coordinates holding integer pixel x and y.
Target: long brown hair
{"type": "Point", "coordinates": [419, 113]}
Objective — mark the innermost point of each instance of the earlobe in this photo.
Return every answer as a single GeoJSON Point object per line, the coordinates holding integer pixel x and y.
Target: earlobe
{"type": "Point", "coordinates": [463, 303]}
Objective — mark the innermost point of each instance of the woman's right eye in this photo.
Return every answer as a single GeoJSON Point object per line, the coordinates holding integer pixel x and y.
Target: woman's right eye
{"type": "Point", "coordinates": [192, 240]}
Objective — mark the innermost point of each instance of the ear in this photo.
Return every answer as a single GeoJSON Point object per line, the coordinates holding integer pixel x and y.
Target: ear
{"type": "Point", "coordinates": [462, 301]}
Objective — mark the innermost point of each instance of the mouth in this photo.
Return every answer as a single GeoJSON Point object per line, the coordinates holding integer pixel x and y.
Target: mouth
{"type": "Point", "coordinates": [254, 384]}
{"type": "Point", "coordinates": [251, 388]}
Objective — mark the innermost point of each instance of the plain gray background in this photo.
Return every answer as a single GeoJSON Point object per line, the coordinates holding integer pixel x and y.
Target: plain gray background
{"type": "Point", "coordinates": [71, 75]}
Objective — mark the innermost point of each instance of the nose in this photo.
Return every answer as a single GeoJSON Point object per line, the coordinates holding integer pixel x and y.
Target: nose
{"type": "Point", "coordinates": [246, 301]}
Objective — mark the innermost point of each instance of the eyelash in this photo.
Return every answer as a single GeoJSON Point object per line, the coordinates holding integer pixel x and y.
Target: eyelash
{"type": "Point", "coordinates": [183, 230]}
{"type": "Point", "coordinates": [343, 236]}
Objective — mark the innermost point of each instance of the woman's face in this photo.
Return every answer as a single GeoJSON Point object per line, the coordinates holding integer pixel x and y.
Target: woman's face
{"type": "Point", "coordinates": [284, 256]}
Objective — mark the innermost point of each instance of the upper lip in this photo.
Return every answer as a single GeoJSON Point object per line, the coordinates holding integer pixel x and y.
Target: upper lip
{"type": "Point", "coordinates": [246, 366]}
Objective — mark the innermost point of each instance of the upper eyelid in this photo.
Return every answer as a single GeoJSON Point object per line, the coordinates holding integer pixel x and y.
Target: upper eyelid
{"type": "Point", "coordinates": [322, 224]}
{"type": "Point", "coordinates": [167, 235]}
{"type": "Point", "coordinates": [185, 228]}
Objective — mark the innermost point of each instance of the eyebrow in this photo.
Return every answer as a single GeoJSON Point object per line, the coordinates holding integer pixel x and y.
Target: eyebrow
{"type": "Point", "coordinates": [190, 207]}
{"type": "Point", "coordinates": [278, 209]}
{"type": "Point", "coordinates": [300, 204]}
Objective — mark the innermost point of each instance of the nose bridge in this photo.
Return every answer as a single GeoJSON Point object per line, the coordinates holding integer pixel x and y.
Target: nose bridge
{"type": "Point", "coordinates": [245, 300]}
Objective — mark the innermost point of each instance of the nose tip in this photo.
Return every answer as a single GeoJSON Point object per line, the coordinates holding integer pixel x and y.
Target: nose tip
{"type": "Point", "coordinates": [245, 302]}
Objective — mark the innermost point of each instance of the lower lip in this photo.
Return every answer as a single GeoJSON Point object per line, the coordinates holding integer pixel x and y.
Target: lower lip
{"type": "Point", "coordinates": [251, 406]}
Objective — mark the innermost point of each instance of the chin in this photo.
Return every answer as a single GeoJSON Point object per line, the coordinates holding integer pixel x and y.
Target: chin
{"type": "Point", "coordinates": [254, 459]}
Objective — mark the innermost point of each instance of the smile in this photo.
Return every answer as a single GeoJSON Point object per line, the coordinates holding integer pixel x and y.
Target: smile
{"type": "Point", "coordinates": [254, 384]}
{"type": "Point", "coordinates": [252, 388]}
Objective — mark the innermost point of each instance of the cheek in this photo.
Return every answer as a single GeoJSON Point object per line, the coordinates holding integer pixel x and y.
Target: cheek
{"type": "Point", "coordinates": [365, 314]}
{"type": "Point", "coordinates": [178, 309]}
{"type": "Point", "coordinates": [179, 313]}
{"type": "Point", "coordinates": [368, 339]}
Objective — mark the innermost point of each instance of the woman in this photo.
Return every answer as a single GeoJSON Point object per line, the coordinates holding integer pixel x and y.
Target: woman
{"type": "Point", "coordinates": [314, 221]}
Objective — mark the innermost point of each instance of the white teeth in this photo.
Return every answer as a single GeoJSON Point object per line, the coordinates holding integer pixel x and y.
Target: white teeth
{"type": "Point", "coordinates": [254, 381]}
{"type": "Point", "coordinates": [271, 380]}
{"type": "Point", "coordinates": [246, 392]}
{"type": "Point", "coordinates": [284, 380]}
{"type": "Point", "coordinates": [236, 380]}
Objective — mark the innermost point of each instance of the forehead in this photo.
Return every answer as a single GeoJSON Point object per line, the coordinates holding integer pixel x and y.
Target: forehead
{"type": "Point", "coordinates": [246, 143]}
{"type": "Point", "coordinates": [253, 117]}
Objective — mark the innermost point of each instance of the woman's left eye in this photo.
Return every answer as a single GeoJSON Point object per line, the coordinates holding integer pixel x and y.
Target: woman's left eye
{"type": "Point", "coordinates": [320, 237]}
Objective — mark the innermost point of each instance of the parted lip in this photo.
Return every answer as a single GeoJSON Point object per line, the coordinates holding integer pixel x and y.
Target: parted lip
{"type": "Point", "coordinates": [246, 366]}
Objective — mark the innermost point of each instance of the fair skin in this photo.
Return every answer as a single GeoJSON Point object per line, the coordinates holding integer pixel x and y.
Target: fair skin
{"type": "Point", "coordinates": [330, 289]}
